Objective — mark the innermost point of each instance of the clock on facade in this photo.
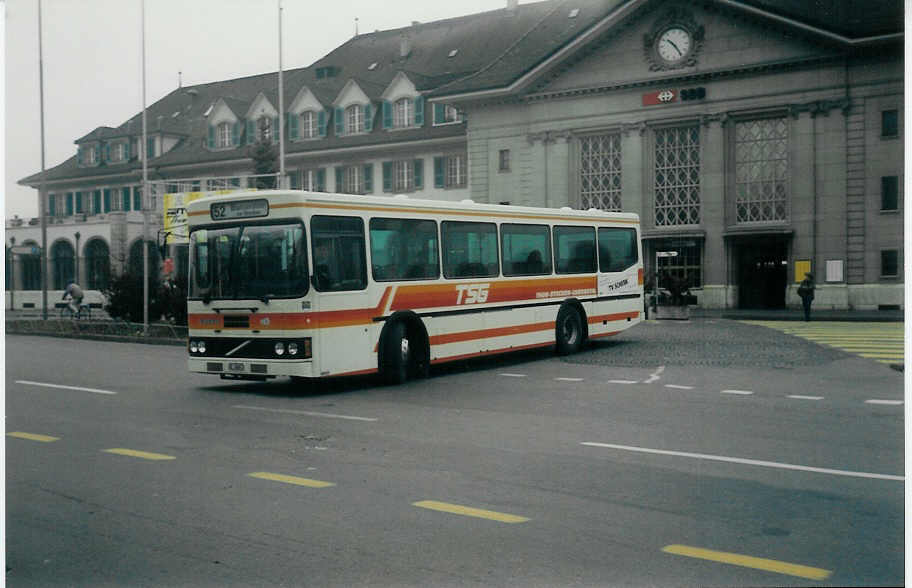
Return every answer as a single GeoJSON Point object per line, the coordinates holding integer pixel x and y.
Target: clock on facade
{"type": "Point", "coordinates": [674, 41]}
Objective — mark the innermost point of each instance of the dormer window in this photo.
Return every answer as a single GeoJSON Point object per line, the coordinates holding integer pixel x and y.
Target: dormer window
{"type": "Point", "coordinates": [354, 119]}
{"type": "Point", "coordinates": [264, 128]}
{"type": "Point", "coordinates": [403, 112]}
{"type": "Point", "coordinates": [308, 125]}
{"type": "Point", "coordinates": [445, 114]}
{"type": "Point", "coordinates": [118, 152]}
{"type": "Point", "coordinates": [87, 155]}
{"type": "Point", "coordinates": [223, 135]}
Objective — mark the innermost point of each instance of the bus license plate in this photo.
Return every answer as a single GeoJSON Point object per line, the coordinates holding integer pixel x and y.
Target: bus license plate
{"type": "Point", "coordinates": [236, 367]}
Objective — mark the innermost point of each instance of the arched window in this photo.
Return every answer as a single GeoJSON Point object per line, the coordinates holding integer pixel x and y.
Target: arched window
{"type": "Point", "coordinates": [30, 270]}
{"type": "Point", "coordinates": [63, 264]}
{"type": "Point", "coordinates": [98, 265]}
{"type": "Point", "coordinates": [136, 259]}
{"type": "Point", "coordinates": [403, 113]}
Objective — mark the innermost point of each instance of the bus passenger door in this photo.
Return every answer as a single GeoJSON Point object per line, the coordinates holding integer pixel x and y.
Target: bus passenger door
{"type": "Point", "coordinates": [340, 295]}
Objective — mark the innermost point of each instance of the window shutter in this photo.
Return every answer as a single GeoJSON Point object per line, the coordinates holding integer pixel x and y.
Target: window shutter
{"type": "Point", "coordinates": [69, 204]}
{"type": "Point", "coordinates": [293, 126]}
{"type": "Point", "coordinates": [52, 205]}
{"type": "Point", "coordinates": [211, 136]}
{"type": "Point", "coordinates": [439, 172]}
{"type": "Point", "coordinates": [419, 173]}
{"type": "Point", "coordinates": [419, 111]}
{"type": "Point", "coordinates": [107, 200]}
{"type": "Point", "coordinates": [236, 133]}
{"type": "Point", "coordinates": [137, 198]}
{"type": "Point", "coordinates": [79, 202]}
{"type": "Point", "coordinates": [107, 152]}
{"type": "Point", "coordinates": [127, 151]}
{"type": "Point", "coordinates": [368, 178]}
{"type": "Point", "coordinates": [295, 180]}
{"type": "Point", "coordinates": [340, 121]}
{"type": "Point", "coordinates": [150, 147]}
{"type": "Point", "coordinates": [79, 156]}
{"type": "Point", "coordinates": [368, 123]}
{"type": "Point", "coordinates": [125, 198]}
{"type": "Point", "coordinates": [275, 129]}
{"type": "Point", "coordinates": [251, 132]}
{"type": "Point", "coordinates": [387, 114]}
{"type": "Point", "coordinates": [439, 114]}
{"type": "Point", "coordinates": [387, 176]}
{"type": "Point", "coordinates": [321, 180]}
{"type": "Point", "coordinates": [96, 202]}
{"type": "Point", "coordinates": [321, 123]}
{"type": "Point", "coordinates": [338, 180]}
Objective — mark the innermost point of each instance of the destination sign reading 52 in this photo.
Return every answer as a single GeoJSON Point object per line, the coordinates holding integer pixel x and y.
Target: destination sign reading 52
{"type": "Point", "coordinates": [239, 209]}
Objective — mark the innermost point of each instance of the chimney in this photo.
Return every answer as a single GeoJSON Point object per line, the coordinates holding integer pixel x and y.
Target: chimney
{"type": "Point", "coordinates": [405, 46]}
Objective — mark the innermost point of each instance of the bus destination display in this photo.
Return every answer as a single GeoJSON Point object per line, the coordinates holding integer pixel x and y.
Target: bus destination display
{"type": "Point", "coordinates": [239, 209]}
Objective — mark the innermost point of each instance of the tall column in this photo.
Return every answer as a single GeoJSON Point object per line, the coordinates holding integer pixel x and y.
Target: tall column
{"type": "Point", "coordinates": [712, 212]}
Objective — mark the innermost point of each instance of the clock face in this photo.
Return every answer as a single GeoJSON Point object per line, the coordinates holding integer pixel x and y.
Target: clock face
{"type": "Point", "coordinates": [674, 45]}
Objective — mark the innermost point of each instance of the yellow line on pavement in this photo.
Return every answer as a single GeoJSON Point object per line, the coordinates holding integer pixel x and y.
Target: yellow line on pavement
{"type": "Point", "coordinates": [139, 454]}
{"type": "Point", "coordinates": [469, 511]}
{"type": "Point", "coordinates": [291, 480]}
{"type": "Point", "coordinates": [33, 437]}
{"type": "Point", "coordinates": [759, 563]}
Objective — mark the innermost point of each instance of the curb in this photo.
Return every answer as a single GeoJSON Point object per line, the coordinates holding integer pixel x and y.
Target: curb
{"type": "Point", "coordinates": [80, 330]}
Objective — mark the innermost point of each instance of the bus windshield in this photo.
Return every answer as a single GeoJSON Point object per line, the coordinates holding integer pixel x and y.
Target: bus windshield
{"type": "Point", "coordinates": [254, 261]}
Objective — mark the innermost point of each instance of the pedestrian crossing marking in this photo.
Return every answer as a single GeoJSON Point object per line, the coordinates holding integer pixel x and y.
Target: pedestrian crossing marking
{"type": "Point", "coordinates": [882, 342]}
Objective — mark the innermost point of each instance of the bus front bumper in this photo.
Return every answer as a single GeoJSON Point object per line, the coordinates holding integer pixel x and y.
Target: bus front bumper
{"type": "Point", "coordinates": [250, 368]}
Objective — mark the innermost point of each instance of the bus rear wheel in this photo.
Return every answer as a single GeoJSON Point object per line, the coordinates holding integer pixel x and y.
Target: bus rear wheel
{"type": "Point", "coordinates": [397, 356]}
{"type": "Point", "coordinates": [569, 331]}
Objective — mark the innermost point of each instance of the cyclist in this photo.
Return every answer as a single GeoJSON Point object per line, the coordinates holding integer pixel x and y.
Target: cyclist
{"type": "Point", "coordinates": [75, 293]}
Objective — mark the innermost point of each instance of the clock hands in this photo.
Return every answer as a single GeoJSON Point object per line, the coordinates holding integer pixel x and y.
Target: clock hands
{"type": "Point", "coordinates": [672, 43]}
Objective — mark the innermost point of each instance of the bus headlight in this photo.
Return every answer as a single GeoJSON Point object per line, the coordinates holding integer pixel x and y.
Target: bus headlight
{"type": "Point", "coordinates": [193, 347]}
{"type": "Point", "coordinates": [292, 349]}
{"type": "Point", "coordinates": [279, 348]}
{"type": "Point", "coordinates": [201, 346]}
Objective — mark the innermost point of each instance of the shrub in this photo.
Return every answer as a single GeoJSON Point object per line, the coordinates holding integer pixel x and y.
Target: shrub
{"type": "Point", "coordinates": [124, 296]}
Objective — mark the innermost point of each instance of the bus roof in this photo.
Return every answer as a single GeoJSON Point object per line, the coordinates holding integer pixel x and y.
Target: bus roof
{"type": "Point", "coordinates": [198, 210]}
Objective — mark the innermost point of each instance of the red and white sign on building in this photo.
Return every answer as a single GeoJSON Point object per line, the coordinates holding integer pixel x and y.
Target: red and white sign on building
{"type": "Point", "coordinates": [660, 97]}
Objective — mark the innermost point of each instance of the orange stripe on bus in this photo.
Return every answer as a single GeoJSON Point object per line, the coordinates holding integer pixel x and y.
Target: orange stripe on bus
{"type": "Point", "coordinates": [489, 352]}
{"type": "Point", "coordinates": [618, 316]}
{"type": "Point", "coordinates": [455, 294]}
{"type": "Point", "coordinates": [488, 333]}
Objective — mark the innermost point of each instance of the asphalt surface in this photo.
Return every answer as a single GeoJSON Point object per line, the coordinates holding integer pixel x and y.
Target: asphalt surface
{"type": "Point", "coordinates": [672, 454]}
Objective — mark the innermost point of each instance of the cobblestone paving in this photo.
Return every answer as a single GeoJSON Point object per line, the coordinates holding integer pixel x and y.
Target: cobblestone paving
{"type": "Point", "coordinates": [706, 342]}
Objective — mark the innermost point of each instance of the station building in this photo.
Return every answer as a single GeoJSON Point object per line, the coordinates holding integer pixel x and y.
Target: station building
{"type": "Point", "coordinates": [757, 139]}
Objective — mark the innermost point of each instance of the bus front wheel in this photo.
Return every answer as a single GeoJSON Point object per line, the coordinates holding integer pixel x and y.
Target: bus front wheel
{"type": "Point", "coordinates": [397, 355]}
{"type": "Point", "coordinates": [569, 327]}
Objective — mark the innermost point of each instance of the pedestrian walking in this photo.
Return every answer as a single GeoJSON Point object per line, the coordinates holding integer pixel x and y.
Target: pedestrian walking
{"type": "Point", "coordinates": [806, 291]}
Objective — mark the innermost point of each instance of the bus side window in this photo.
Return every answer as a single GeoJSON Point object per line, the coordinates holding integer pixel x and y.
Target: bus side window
{"type": "Point", "coordinates": [574, 249]}
{"type": "Point", "coordinates": [617, 249]}
{"type": "Point", "coordinates": [338, 253]}
{"type": "Point", "coordinates": [470, 250]}
{"type": "Point", "coordinates": [525, 250]}
{"type": "Point", "coordinates": [404, 249]}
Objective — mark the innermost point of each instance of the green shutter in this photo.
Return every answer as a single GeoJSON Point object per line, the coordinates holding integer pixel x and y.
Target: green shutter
{"type": "Point", "coordinates": [387, 114]}
{"type": "Point", "coordinates": [321, 180]}
{"type": "Point", "coordinates": [125, 198]}
{"type": "Point", "coordinates": [387, 176]}
{"type": "Point", "coordinates": [368, 178]}
{"type": "Point", "coordinates": [439, 172]}
{"type": "Point", "coordinates": [96, 202]}
{"type": "Point", "coordinates": [251, 132]}
{"type": "Point", "coordinates": [236, 133]}
{"type": "Point", "coordinates": [419, 173]}
{"type": "Point", "coordinates": [211, 136]}
{"type": "Point", "coordinates": [79, 156]}
{"type": "Point", "coordinates": [127, 151]}
{"type": "Point", "coordinates": [107, 199]}
{"type": "Point", "coordinates": [439, 114]}
{"type": "Point", "coordinates": [294, 180]}
{"type": "Point", "coordinates": [321, 123]}
{"type": "Point", "coordinates": [79, 203]}
{"type": "Point", "coordinates": [419, 111]}
{"type": "Point", "coordinates": [69, 204]}
{"type": "Point", "coordinates": [338, 180]}
{"type": "Point", "coordinates": [340, 121]}
{"type": "Point", "coordinates": [107, 152]}
{"type": "Point", "coordinates": [275, 129]}
{"type": "Point", "coordinates": [293, 126]}
{"type": "Point", "coordinates": [150, 147]}
{"type": "Point", "coordinates": [368, 123]}
{"type": "Point", "coordinates": [137, 198]}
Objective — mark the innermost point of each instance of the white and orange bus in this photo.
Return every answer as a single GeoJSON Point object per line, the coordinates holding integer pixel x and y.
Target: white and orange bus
{"type": "Point", "coordinates": [311, 284]}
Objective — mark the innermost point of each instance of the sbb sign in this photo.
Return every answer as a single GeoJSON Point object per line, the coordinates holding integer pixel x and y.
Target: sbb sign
{"type": "Point", "coordinates": [670, 96]}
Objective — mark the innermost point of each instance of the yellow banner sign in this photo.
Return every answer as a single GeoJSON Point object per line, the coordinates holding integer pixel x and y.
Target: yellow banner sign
{"type": "Point", "coordinates": [175, 213]}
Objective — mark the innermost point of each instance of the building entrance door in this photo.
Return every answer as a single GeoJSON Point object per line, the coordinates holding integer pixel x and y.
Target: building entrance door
{"type": "Point", "coordinates": [762, 272]}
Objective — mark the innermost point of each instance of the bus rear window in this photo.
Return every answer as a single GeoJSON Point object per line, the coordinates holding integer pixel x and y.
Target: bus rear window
{"type": "Point", "coordinates": [617, 249]}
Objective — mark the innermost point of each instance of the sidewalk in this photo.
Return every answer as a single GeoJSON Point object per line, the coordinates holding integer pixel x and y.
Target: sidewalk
{"type": "Point", "coordinates": [788, 314]}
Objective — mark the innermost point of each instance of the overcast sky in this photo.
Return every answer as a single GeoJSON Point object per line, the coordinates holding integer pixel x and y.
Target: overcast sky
{"type": "Point", "coordinates": [93, 64]}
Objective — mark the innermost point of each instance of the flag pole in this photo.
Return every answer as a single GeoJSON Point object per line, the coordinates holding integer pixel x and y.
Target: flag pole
{"type": "Point", "coordinates": [145, 179]}
{"type": "Point", "coordinates": [281, 182]}
{"type": "Point", "coordinates": [42, 205]}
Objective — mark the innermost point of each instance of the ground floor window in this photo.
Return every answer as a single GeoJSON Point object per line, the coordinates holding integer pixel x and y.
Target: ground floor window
{"type": "Point", "coordinates": [98, 265]}
{"type": "Point", "coordinates": [600, 172]}
{"type": "Point", "coordinates": [687, 265]}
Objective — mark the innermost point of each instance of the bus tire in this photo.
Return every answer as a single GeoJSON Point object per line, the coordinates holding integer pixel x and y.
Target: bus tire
{"type": "Point", "coordinates": [569, 330]}
{"type": "Point", "coordinates": [397, 355]}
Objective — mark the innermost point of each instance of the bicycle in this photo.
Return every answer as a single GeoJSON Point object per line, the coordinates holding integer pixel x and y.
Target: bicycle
{"type": "Point", "coordinates": [84, 312]}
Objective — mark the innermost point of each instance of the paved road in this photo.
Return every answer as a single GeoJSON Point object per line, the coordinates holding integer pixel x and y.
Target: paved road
{"type": "Point", "coordinates": [707, 452]}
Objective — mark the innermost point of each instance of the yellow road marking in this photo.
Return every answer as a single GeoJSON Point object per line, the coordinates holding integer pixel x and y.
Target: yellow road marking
{"type": "Point", "coordinates": [139, 454]}
{"type": "Point", "coordinates": [469, 511]}
{"type": "Point", "coordinates": [33, 437]}
{"type": "Point", "coordinates": [759, 563]}
{"type": "Point", "coordinates": [291, 480]}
